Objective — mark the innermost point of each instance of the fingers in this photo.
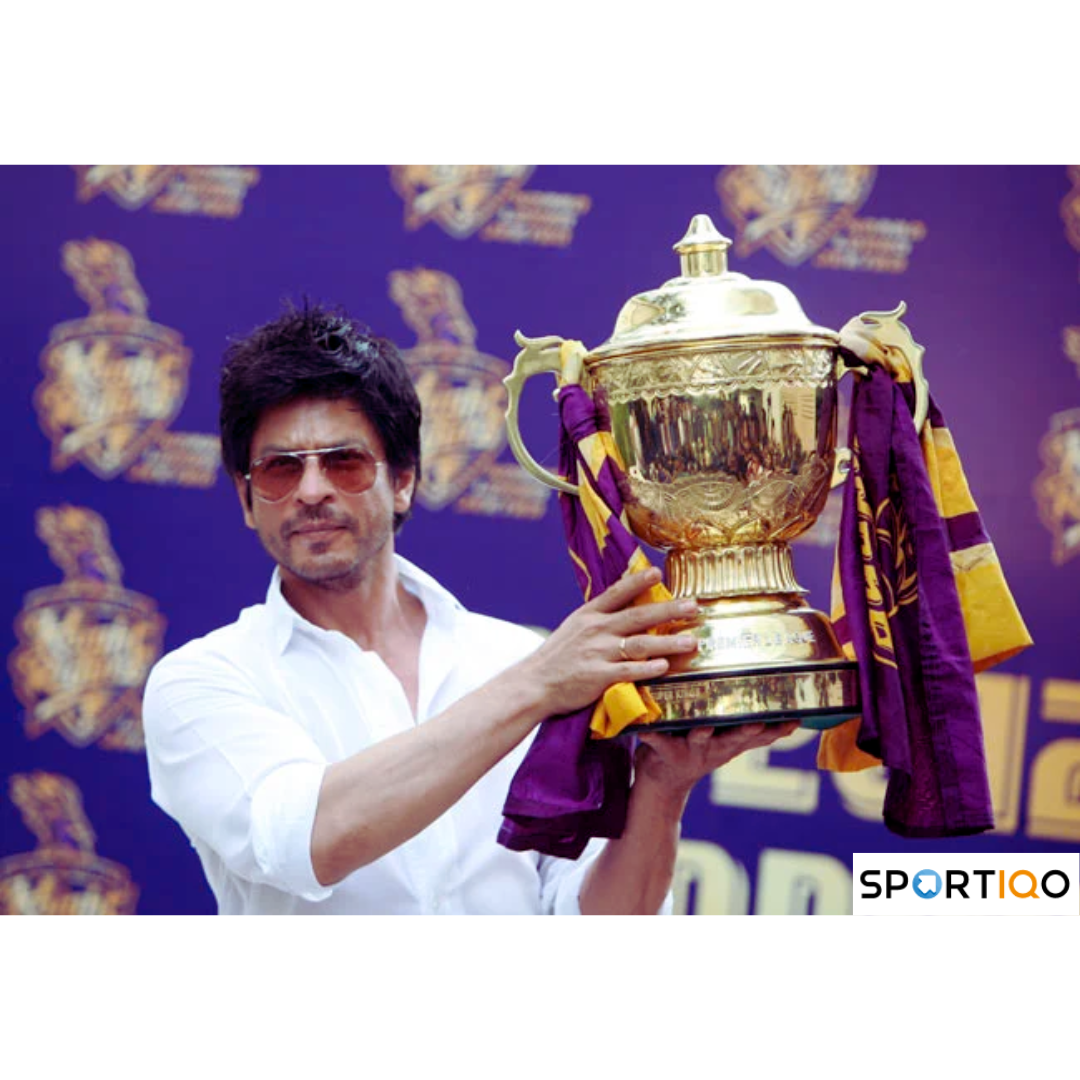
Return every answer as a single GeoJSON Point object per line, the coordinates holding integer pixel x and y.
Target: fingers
{"type": "Point", "coordinates": [626, 620]}
{"type": "Point", "coordinates": [628, 588]}
{"type": "Point", "coordinates": [650, 646]}
{"type": "Point", "coordinates": [739, 737]}
{"type": "Point", "coordinates": [636, 659]}
{"type": "Point", "coordinates": [637, 620]}
{"type": "Point", "coordinates": [749, 736]}
{"type": "Point", "coordinates": [639, 670]}
{"type": "Point", "coordinates": [700, 736]}
{"type": "Point", "coordinates": [679, 763]}
{"type": "Point", "coordinates": [629, 623]}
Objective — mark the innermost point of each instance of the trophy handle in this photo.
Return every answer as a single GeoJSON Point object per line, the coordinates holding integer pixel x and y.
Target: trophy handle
{"type": "Point", "coordinates": [883, 334]}
{"type": "Point", "coordinates": [537, 355]}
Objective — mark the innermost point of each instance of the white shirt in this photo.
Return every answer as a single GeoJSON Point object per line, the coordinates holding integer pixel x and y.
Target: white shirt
{"type": "Point", "coordinates": [242, 724]}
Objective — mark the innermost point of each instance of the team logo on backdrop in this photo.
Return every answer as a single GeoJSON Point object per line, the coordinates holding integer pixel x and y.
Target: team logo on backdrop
{"type": "Point", "coordinates": [1070, 207]}
{"type": "Point", "coordinates": [208, 190]}
{"type": "Point", "coordinates": [115, 381]}
{"type": "Point", "coordinates": [86, 646]}
{"type": "Point", "coordinates": [801, 212]}
{"type": "Point", "coordinates": [1057, 488]}
{"type": "Point", "coordinates": [63, 875]}
{"type": "Point", "coordinates": [1070, 214]}
{"type": "Point", "coordinates": [1070, 342]}
{"type": "Point", "coordinates": [464, 401]}
{"type": "Point", "coordinates": [488, 200]}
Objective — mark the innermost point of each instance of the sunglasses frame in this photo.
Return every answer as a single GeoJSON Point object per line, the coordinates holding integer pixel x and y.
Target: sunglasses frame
{"type": "Point", "coordinates": [302, 455]}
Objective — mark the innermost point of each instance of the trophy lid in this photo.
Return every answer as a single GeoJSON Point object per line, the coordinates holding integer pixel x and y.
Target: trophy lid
{"type": "Point", "coordinates": [707, 302]}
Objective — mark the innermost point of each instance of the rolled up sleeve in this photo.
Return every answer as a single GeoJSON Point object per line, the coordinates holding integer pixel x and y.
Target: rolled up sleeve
{"type": "Point", "coordinates": [238, 776]}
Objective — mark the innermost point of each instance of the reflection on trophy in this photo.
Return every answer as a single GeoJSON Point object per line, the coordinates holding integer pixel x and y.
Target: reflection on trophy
{"type": "Point", "coordinates": [723, 404]}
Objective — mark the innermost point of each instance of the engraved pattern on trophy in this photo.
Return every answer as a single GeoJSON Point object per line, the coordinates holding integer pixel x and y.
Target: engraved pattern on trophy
{"type": "Point", "coordinates": [724, 448]}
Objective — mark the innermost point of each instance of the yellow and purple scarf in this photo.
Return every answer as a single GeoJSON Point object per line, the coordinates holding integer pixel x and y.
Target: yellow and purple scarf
{"type": "Point", "coordinates": [920, 600]}
{"type": "Point", "coordinates": [574, 782]}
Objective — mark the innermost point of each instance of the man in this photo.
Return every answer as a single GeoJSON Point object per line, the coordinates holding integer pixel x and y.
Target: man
{"type": "Point", "coordinates": [346, 747]}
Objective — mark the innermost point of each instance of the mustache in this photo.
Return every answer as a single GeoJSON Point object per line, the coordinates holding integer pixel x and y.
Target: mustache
{"type": "Point", "coordinates": [317, 515]}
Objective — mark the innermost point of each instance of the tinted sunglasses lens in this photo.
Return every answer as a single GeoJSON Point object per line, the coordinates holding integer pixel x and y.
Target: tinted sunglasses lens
{"type": "Point", "coordinates": [275, 476]}
{"type": "Point", "coordinates": [351, 471]}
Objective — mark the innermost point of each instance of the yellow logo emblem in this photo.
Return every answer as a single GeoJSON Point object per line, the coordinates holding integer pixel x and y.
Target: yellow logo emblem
{"type": "Point", "coordinates": [792, 209]}
{"type": "Point", "coordinates": [63, 876]}
{"type": "Point", "coordinates": [459, 198]}
{"type": "Point", "coordinates": [1070, 342]}
{"type": "Point", "coordinates": [464, 401]}
{"type": "Point", "coordinates": [86, 645]}
{"type": "Point", "coordinates": [1057, 488]}
{"type": "Point", "coordinates": [209, 190]}
{"type": "Point", "coordinates": [795, 210]}
{"type": "Point", "coordinates": [115, 381]}
{"type": "Point", "coordinates": [489, 200]}
{"type": "Point", "coordinates": [1070, 207]}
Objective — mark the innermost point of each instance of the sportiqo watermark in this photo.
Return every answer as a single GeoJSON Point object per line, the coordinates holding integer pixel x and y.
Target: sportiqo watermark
{"type": "Point", "coordinates": [966, 884]}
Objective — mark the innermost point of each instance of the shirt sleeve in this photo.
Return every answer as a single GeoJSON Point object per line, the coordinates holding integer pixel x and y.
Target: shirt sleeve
{"type": "Point", "coordinates": [561, 881]}
{"type": "Point", "coordinates": [237, 775]}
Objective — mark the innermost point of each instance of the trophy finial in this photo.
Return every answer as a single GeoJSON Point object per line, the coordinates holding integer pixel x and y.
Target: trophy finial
{"type": "Point", "coordinates": [703, 250]}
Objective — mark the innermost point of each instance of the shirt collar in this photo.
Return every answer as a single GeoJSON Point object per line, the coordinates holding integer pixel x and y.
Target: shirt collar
{"type": "Point", "coordinates": [439, 603]}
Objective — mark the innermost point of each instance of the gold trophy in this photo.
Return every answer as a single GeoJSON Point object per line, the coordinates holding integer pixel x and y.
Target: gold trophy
{"type": "Point", "coordinates": [723, 403]}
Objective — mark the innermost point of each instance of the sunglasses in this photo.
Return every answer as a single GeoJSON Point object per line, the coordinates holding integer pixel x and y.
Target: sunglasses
{"type": "Point", "coordinates": [351, 470]}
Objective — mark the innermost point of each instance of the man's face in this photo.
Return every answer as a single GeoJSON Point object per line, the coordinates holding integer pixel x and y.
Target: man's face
{"type": "Point", "coordinates": [319, 534]}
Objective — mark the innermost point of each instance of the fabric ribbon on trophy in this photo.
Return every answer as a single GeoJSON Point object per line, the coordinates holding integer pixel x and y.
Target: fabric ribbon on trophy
{"type": "Point", "coordinates": [919, 599]}
{"type": "Point", "coordinates": [574, 781]}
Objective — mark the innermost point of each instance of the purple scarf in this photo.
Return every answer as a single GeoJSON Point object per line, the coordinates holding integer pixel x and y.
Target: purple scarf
{"type": "Point", "coordinates": [903, 618]}
{"type": "Point", "coordinates": [572, 787]}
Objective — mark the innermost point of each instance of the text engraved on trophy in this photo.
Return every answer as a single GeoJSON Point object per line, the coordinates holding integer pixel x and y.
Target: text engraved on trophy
{"type": "Point", "coordinates": [772, 640]}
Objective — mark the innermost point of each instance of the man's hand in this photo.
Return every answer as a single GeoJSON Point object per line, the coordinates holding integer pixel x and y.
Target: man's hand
{"type": "Point", "coordinates": [605, 641]}
{"type": "Point", "coordinates": [633, 873]}
{"type": "Point", "coordinates": [675, 763]}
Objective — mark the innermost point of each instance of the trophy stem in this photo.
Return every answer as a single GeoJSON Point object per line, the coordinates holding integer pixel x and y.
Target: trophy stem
{"type": "Point", "coordinates": [750, 570]}
{"type": "Point", "coordinates": [763, 654]}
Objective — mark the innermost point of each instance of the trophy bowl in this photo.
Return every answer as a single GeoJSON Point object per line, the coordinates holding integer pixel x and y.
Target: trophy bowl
{"type": "Point", "coordinates": [723, 404]}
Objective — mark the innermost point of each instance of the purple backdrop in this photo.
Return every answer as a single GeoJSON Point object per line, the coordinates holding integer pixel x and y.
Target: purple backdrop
{"type": "Point", "coordinates": [987, 260]}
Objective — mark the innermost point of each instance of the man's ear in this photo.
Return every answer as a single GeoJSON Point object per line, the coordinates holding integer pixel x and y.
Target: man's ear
{"type": "Point", "coordinates": [243, 491]}
{"type": "Point", "coordinates": [404, 489]}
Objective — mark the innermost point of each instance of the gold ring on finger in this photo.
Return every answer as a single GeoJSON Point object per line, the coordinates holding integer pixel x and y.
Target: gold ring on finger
{"type": "Point", "coordinates": [623, 654]}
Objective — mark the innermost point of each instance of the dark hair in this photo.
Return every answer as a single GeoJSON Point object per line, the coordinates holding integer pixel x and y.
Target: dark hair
{"type": "Point", "coordinates": [316, 352]}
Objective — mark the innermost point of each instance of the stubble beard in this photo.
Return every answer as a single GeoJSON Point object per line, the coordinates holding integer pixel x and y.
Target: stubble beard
{"type": "Point", "coordinates": [336, 574]}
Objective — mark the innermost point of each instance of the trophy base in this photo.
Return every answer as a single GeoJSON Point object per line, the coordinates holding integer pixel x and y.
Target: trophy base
{"type": "Point", "coordinates": [759, 659]}
{"type": "Point", "coordinates": [819, 696]}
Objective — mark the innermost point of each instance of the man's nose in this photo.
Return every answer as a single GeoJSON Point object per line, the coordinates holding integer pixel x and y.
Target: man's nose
{"type": "Point", "coordinates": [314, 486]}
